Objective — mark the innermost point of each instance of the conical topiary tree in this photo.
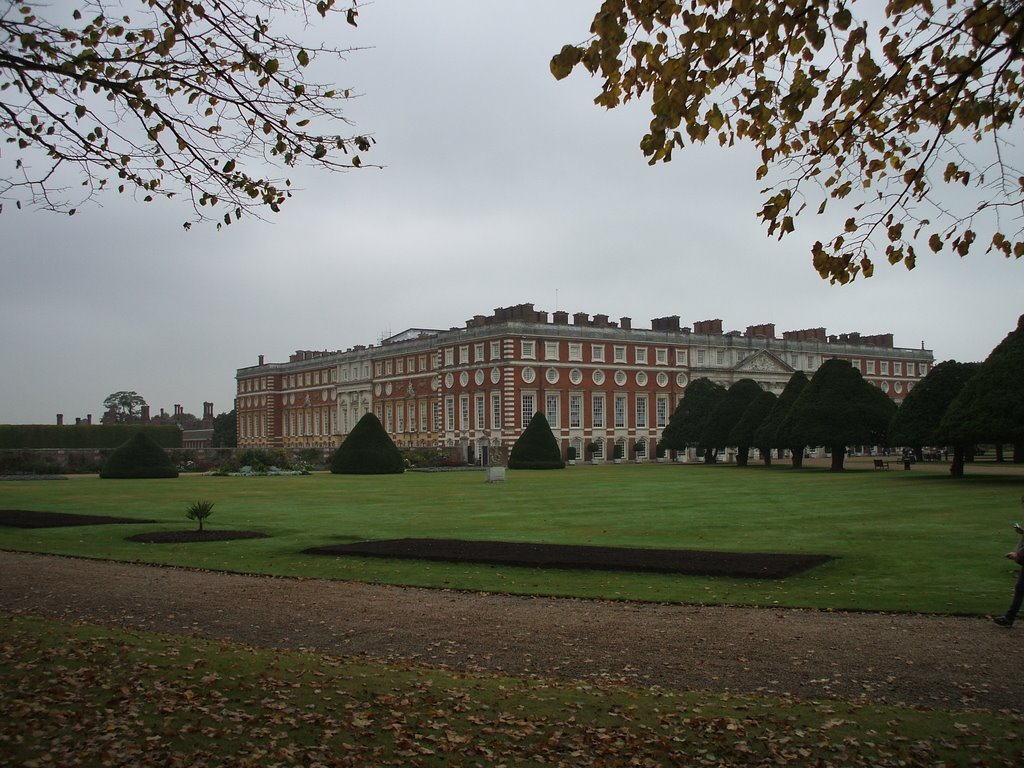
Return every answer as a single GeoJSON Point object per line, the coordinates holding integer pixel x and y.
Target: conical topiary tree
{"type": "Point", "coordinates": [536, 448]}
{"type": "Point", "coordinates": [138, 458]}
{"type": "Point", "coordinates": [368, 450]}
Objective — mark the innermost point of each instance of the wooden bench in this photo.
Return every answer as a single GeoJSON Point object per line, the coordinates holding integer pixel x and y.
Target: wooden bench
{"type": "Point", "coordinates": [879, 464]}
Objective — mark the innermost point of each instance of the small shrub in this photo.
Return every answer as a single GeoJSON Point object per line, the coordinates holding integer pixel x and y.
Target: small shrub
{"type": "Point", "coordinates": [199, 511]}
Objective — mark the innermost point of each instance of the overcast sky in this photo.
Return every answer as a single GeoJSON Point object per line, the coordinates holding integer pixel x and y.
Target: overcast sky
{"type": "Point", "coordinates": [500, 186]}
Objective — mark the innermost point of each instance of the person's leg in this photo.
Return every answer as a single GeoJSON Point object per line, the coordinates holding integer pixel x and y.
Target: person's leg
{"type": "Point", "coordinates": [1018, 597]}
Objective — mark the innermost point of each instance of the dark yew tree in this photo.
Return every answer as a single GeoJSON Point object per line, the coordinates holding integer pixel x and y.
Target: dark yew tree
{"type": "Point", "coordinates": [688, 423]}
{"type": "Point", "coordinates": [838, 408]}
{"type": "Point", "coordinates": [726, 416]}
{"type": "Point", "coordinates": [139, 458]}
{"type": "Point", "coordinates": [917, 421]}
{"type": "Point", "coordinates": [368, 450]}
{"type": "Point", "coordinates": [537, 447]}
{"type": "Point", "coordinates": [746, 429]}
{"type": "Point", "coordinates": [990, 406]}
{"type": "Point", "coordinates": [225, 430]}
{"type": "Point", "coordinates": [770, 433]}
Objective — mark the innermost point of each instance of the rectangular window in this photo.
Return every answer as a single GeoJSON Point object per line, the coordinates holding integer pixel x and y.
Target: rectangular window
{"type": "Point", "coordinates": [481, 412]}
{"type": "Point", "coordinates": [551, 411]}
{"type": "Point", "coordinates": [399, 365]}
{"type": "Point", "coordinates": [495, 350]}
{"type": "Point", "coordinates": [550, 350]}
{"type": "Point", "coordinates": [856, 364]}
{"type": "Point", "coordinates": [528, 349]}
{"type": "Point", "coordinates": [641, 411]}
{"type": "Point", "coordinates": [719, 357]}
{"type": "Point", "coordinates": [619, 354]}
{"type": "Point", "coordinates": [662, 412]}
{"type": "Point", "coordinates": [423, 416]}
{"type": "Point", "coordinates": [464, 412]}
{"type": "Point", "coordinates": [922, 369]}
{"type": "Point", "coordinates": [597, 353]}
{"type": "Point", "coordinates": [387, 368]}
{"type": "Point", "coordinates": [464, 354]}
{"type": "Point", "coordinates": [377, 368]}
{"type": "Point", "coordinates": [700, 357]}
{"type": "Point", "coordinates": [449, 356]}
{"type": "Point", "coordinates": [661, 356]}
{"type": "Point", "coordinates": [680, 357]}
{"type": "Point", "coordinates": [527, 409]}
{"type": "Point", "coordinates": [871, 367]}
{"type": "Point", "coordinates": [597, 411]}
{"type": "Point", "coordinates": [885, 367]}
{"type": "Point", "coordinates": [410, 410]}
{"type": "Point", "coordinates": [437, 415]}
{"type": "Point", "coordinates": [897, 368]}
{"type": "Point", "coordinates": [316, 377]}
{"type": "Point", "coordinates": [423, 362]}
{"type": "Point", "coordinates": [810, 362]}
{"type": "Point", "coordinates": [640, 353]}
{"type": "Point", "coordinates": [575, 352]}
{"type": "Point", "coordinates": [495, 410]}
{"type": "Point", "coordinates": [400, 414]}
{"type": "Point", "coordinates": [575, 411]}
{"type": "Point", "coordinates": [478, 353]}
{"type": "Point", "coordinates": [449, 414]}
{"type": "Point", "coordinates": [620, 411]}
{"type": "Point", "coordinates": [389, 418]}
{"type": "Point", "coordinates": [410, 364]}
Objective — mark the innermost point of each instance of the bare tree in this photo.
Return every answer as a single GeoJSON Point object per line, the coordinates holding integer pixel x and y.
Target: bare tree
{"type": "Point", "coordinates": [202, 98]}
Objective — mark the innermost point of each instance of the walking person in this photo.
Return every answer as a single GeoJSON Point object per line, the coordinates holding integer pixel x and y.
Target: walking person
{"type": "Point", "coordinates": [1018, 593]}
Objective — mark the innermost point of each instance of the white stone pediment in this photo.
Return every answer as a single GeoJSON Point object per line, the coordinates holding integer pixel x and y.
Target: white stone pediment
{"type": "Point", "coordinates": [763, 362]}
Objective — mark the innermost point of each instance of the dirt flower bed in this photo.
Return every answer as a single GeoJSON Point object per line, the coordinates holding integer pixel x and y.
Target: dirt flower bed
{"type": "Point", "coordinates": [193, 536]}
{"type": "Point", "coordinates": [748, 565]}
{"type": "Point", "coordinates": [27, 518]}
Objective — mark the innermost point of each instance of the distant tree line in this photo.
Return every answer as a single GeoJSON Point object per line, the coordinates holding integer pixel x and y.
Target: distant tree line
{"type": "Point", "coordinates": [957, 405]}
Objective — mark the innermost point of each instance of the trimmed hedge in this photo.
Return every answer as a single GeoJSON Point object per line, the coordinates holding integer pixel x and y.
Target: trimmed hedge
{"type": "Point", "coordinates": [139, 458]}
{"type": "Point", "coordinates": [14, 436]}
{"type": "Point", "coordinates": [368, 450]}
{"type": "Point", "coordinates": [536, 448]}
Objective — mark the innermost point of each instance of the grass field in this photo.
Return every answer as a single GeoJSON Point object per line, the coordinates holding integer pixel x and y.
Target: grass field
{"type": "Point", "coordinates": [904, 541]}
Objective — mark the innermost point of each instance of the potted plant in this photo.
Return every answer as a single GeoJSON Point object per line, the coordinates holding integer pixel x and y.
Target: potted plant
{"type": "Point", "coordinates": [592, 449]}
{"type": "Point", "coordinates": [617, 454]}
{"type": "Point", "coordinates": [571, 456]}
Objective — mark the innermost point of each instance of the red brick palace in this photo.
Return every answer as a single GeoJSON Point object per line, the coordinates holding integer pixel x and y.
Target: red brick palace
{"type": "Point", "coordinates": [472, 390]}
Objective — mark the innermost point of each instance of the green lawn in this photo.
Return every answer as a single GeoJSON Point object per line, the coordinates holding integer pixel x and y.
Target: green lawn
{"type": "Point", "coordinates": [904, 541]}
{"type": "Point", "coordinates": [96, 696]}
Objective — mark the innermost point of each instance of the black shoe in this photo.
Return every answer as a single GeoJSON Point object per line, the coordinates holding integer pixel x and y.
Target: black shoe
{"type": "Point", "coordinates": [1002, 621]}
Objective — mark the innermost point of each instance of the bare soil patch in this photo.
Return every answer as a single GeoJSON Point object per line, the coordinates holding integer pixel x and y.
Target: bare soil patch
{"type": "Point", "coordinates": [27, 518]}
{"type": "Point", "coordinates": [193, 536]}
{"type": "Point", "coordinates": [747, 565]}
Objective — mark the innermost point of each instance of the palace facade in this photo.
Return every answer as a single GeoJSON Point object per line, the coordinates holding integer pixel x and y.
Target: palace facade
{"type": "Point", "coordinates": [602, 384]}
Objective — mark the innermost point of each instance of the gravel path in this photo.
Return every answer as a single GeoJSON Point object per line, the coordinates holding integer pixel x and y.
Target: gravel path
{"type": "Point", "coordinates": [932, 661]}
